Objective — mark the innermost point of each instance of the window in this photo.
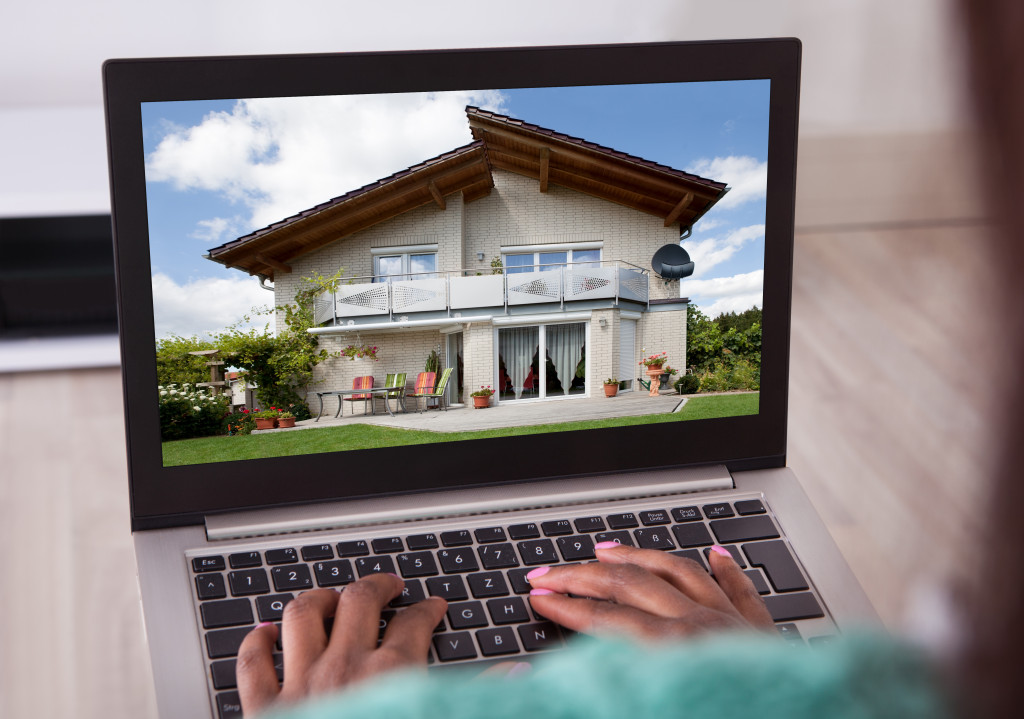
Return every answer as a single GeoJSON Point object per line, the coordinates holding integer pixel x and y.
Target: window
{"type": "Point", "coordinates": [549, 259]}
{"type": "Point", "coordinates": [404, 266]}
{"type": "Point", "coordinates": [522, 374]}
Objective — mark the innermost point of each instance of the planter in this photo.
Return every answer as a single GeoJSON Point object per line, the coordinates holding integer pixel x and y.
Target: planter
{"type": "Point", "coordinates": [610, 390]}
{"type": "Point", "coordinates": [285, 422]}
{"type": "Point", "coordinates": [265, 423]}
{"type": "Point", "coordinates": [665, 377]}
{"type": "Point", "coordinates": [481, 402]}
{"type": "Point", "coordinates": [654, 375]}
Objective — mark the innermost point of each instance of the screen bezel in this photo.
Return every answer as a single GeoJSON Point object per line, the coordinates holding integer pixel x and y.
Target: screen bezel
{"type": "Point", "coordinates": [169, 496]}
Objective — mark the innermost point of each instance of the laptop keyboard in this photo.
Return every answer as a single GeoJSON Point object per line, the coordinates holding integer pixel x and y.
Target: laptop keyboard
{"type": "Point", "coordinates": [481, 571]}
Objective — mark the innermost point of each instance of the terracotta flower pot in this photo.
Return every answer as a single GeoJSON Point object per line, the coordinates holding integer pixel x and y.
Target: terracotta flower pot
{"type": "Point", "coordinates": [654, 375]}
{"type": "Point", "coordinates": [286, 422]}
{"type": "Point", "coordinates": [265, 423]}
{"type": "Point", "coordinates": [481, 402]}
{"type": "Point", "coordinates": [610, 390]}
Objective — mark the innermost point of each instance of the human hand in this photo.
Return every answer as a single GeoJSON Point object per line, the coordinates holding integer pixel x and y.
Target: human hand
{"type": "Point", "coordinates": [649, 594]}
{"type": "Point", "coordinates": [315, 662]}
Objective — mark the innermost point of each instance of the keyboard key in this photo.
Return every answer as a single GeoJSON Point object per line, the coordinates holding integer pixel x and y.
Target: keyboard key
{"type": "Point", "coordinates": [686, 514]}
{"type": "Point", "coordinates": [388, 545]}
{"type": "Point", "coordinates": [466, 615]}
{"type": "Point", "coordinates": [654, 516]}
{"type": "Point", "coordinates": [223, 673]}
{"type": "Point", "coordinates": [733, 550]}
{"type": "Point", "coordinates": [489, 534]}
{"type": "Point", "coordinates": [523, 531]}
{"type": "Point", "coordinates": [333, 574]}
{"type": "Point", "coordinates": [454, 561]}
{"type": "Point", "coordinates": [271, 607]}
{"type": "Point", "coordinates": [749, 506]}
{"type": "Point", "coordinates": [495, 642]}
{"type": "Point", "coordinates": [717, 510]}
{"type": "Point", "coordinates": [622, 521]}
{"type": "Point", "coordinates": [248, 581]}
{"type": "Point", "coordinates": [508, 610]}
{"type": "Point", "coordinates": [693, 554]}
{"type": "Point", "coordinates": [517, 578]}
{"type": "Point", "coordinates": [452, 647]}
{"type": "Point", "coordinates": [317, 552]}
{"type": "Point", "coordinates": [622, 537]}
{"type": "Point", "coordinates": [537, 551]}
{"type": "Point", "coordinates": [789, 631]}
{"type": "Point", "coordinates": [244, 560]}
{"type": "Point", "coordinates": [375, 565]}
{"type": "Point", "coordinates": [790, 607]}
{"type": "Point", "coordinates": [451, 588]}
{"type": "Point", "coordinates": [776, 561]}
{"type": "Point", "coordinates": [225, 642]}
{"type": "Point", "coordinates": [536, 637]}
{"type": "Point", "coordinates": [353, 549]}
{"type": "Point", "coordinates": [759, 581]}
{"type": "Point", "coordinates": [411, 593]}
{"type": "Point", "coordinates": [692, 535]}
{"type": "Point", "coordinates": [210, 586]}
{"type": "Point", "coordinates": [498, 556]}
{"type": "Point", "coordinates": [226, 613]}
{"type": "Point", "coordinates": [417, 564]}
{"type": "Point", "coordinates": [655, 538]}
{"type": "Point", "coordinates": [421, 541]}
{"type": "Point", "coordinates": [744, 529]}
{"type": "Point", "coordinates": [576, 548]}
{"type": "Point", "coordinates": [292, 578]}
{"type": "Point", "coordinates": [456, 539]}
{"type": "Point", "coordinates": [281, 556]}
{"type": "Point", "coordinates": [585, 525]}
{"type": "Point", "coordinates": [556, 527]}
{"type": "Point", "coordinates": [208, 564]}
{"type": "Point", "coordinates": [488, 584]}
{"type": "Point", "coordinates": [229, 706]}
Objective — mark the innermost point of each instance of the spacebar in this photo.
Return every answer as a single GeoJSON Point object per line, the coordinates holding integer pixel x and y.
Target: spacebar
{"type": "Point", "coordinates": [789, 607]}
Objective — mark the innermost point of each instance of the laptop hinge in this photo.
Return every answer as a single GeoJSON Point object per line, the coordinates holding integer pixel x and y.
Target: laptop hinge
{"type": "Point", "coordinates": [466, 502]}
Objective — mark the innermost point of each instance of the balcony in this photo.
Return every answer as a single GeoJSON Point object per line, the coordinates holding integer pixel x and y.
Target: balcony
{"type": "Point", "coordinates": [460, 290]}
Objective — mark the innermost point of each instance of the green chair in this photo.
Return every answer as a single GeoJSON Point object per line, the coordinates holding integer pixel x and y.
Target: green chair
{"type": "Point", "coordinates": [396, 381]}
{"type": "Point", "coordinates": [439, 391]}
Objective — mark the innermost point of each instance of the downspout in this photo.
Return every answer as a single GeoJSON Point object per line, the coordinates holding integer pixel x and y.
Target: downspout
{"type": "Point", "coordinates": [263, 280]}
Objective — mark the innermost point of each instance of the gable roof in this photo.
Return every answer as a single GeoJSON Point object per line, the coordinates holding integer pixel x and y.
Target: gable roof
{"type": "Point", "coordinates": [499, 142]}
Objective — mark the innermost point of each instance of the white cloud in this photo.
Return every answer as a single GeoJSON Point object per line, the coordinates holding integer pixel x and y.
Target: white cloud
{"type": "Point", "coordinates": [206, 305]}
{"type": "Point", "coordinates": [707, 253]}
{"type": "Point", "coordinates": [746, 177]}
{"type": "Point", "coordinates": [726, 294]}
{"type": "Point", "coordinates": [279, 156]}
{"type": "Point", "coordinates": [214, 229]}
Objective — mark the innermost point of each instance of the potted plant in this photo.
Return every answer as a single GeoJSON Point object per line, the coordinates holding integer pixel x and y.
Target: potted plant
{"type": "Point", "coordinates": [654, 364]}
{"type": "Point", "coordinates": [667, 373]}
{"type": "Point", "coordinates": [360, 352]}
{"type": "Point", "coordinates": [266, 419]}
{"type": "Point", "coordinates": [286, 419]}
{"type": "Point", "coordinates": [482, 397]}
{"type": "Point", "coordinates": [611, 387]}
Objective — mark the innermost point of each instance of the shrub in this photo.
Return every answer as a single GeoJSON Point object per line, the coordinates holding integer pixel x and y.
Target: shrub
{"type": "Point", "coordinates": [687, 384]}
{"type": "Point", "coordinates": [737, 373]}
{"type": "Point", "coordinates": [186, 412]}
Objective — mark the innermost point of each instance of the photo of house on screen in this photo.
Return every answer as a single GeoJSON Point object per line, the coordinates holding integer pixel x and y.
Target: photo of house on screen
{"type": "Point", "coordinates": [521, 245]}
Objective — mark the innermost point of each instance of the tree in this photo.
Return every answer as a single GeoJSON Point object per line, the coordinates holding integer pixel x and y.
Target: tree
{"type": "Point", "coordinates": [703, 339]}
{"type": "Point", "coordinates": [174, 364]}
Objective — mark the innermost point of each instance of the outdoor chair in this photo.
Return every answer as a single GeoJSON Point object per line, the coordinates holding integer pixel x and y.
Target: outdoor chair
{"type": "Point", "coordinates": [397, 381]}
{"type": "Point", "coordinates": [424, 386]}
{"type": "Point", "coordinates": [366, 398]}
{"type": "Point", "coordinates": [439, 391]}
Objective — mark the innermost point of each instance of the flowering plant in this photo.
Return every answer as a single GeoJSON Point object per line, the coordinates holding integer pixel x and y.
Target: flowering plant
{"type": "Point", "coordinates": [187, 410]}
{"type": "Point", "coordinates": [671, 371]}
{"type": "Point", "coordinates": [611, 380]}
{"type": "Point", "coordinates": [655, 360]}
{"type": "Point", "coordinates": [271, 413]}
{"type": "Point", "coordinates": [484, 391]}
{"type": "Point", "coordinates": [285, 415]}
{"type": "Point", "coordinates": [354, 352]}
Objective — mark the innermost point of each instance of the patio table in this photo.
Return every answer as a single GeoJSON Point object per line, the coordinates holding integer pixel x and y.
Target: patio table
{"type": "Point", "coordinates": [341, 393]}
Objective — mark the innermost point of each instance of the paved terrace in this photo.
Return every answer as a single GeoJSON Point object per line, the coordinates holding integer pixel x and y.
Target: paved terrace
{"type": "Point", "coordinates": [463, 418]}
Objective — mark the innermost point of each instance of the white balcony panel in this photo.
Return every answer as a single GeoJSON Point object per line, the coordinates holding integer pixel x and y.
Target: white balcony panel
{"type": "Point", "coordinates": [481, 291]}
{"type": "Point", "coordinates": [632, 285]}
{"type": "Point", "coordinates": [362, 299]}
{"type": "Point", "coordinates": [418, 295]}
{"type": "Point", "coordinates": [323, 308]}
{"type": "Point", "coordinates": [589, 283]}
{"type": "Point", "coordinates": [525, 288]}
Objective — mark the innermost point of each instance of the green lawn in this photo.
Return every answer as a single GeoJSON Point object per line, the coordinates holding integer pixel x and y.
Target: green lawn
{"type": "Point", "coordinates": [366, 436]}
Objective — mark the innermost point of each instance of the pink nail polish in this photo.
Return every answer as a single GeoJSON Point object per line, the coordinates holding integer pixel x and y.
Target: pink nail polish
{"type": "Point", "coordinates": [607, 545]}
{"type": "Point", "coordinates": [264, 624]}
{"type": "Point", "coordinates": [540, 592]}
{"type": "Point", "coordinates": [721, 550]}
{"type": "Point", "coordinates": [538, 572]}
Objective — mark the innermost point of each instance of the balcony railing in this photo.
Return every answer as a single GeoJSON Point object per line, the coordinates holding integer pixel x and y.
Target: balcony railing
{"type": "Point", "coordinates": [465, 289]}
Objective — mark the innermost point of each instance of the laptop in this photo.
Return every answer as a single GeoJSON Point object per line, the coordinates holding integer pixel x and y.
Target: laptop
{"type": "Point", "coordinates": [517, 301]}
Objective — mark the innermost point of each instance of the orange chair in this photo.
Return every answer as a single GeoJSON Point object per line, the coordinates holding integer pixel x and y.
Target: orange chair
{"type": "Point", "coordinates": [424, 386]}
{"type": "Point", "coordinates": [361, 383]}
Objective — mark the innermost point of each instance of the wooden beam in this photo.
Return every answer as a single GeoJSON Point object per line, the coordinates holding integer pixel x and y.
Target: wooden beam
{"type": "Point", "coordinates": [678, 209]}
{"type": "Point", "coordinates": [271, 262]}
{"type": "Point", "coordinates": [545, 156]}
{"type": "Point", "coordinates": [436, 194]}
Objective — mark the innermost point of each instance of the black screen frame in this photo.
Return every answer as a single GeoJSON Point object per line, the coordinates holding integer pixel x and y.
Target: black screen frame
{"type": "Point", "coordinates": [171, 496]}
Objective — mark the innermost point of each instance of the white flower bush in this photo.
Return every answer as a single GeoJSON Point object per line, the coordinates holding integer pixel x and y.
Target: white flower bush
{"type": "Point", "coordinates": [190, 411]}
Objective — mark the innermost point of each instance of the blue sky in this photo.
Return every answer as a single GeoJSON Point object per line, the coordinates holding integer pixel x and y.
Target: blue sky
{"type": "Point", "coordinates": [219, 169]}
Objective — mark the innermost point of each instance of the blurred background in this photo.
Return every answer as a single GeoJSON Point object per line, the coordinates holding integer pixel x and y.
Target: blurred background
{"type": "Point", "coordinates": [894, 370]}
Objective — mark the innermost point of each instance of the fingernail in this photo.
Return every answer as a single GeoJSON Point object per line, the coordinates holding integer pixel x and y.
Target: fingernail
{"type": "Point", "coordinates": [607, 545]}
{"type": "Point", "coordinates": [519, 669]}
{"type": "Point", "coordinates": [540, 592]}
{"type": "Point", "coordinates": [717, 549]}
{"type": "Point", "coordinates": [538, 572]}
{"type": "Point", "coordinates": [264, 624]}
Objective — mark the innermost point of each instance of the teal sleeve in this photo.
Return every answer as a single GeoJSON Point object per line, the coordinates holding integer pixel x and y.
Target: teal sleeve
{"type": "Point", "coordinates": [724, 678]}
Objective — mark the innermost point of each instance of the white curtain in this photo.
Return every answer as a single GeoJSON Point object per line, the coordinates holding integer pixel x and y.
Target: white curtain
{"type": "Point", "coordinates": [565, 348]}
{"type": "Point", "coordinates": [517, 346]}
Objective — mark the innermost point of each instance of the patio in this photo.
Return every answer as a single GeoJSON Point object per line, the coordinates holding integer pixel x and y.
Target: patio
{"type": "Point", "coordinates": [464, 418]}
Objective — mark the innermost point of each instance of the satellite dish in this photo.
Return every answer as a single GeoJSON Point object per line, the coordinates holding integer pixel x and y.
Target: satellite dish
{"type": "Point", "coordinates": [672, 262]}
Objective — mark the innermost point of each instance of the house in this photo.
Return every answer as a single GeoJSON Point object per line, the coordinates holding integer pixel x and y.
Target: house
{"type": "Point", "coordinates": [523, 244]}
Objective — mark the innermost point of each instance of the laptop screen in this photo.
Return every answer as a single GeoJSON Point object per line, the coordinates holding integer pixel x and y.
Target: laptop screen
{"type": "Point", "coordinates": [367, 291]}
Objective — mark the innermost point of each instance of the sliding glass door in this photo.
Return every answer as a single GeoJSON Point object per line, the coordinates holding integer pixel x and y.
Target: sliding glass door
{"type": "Point", "coordinates": [522, 374]}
